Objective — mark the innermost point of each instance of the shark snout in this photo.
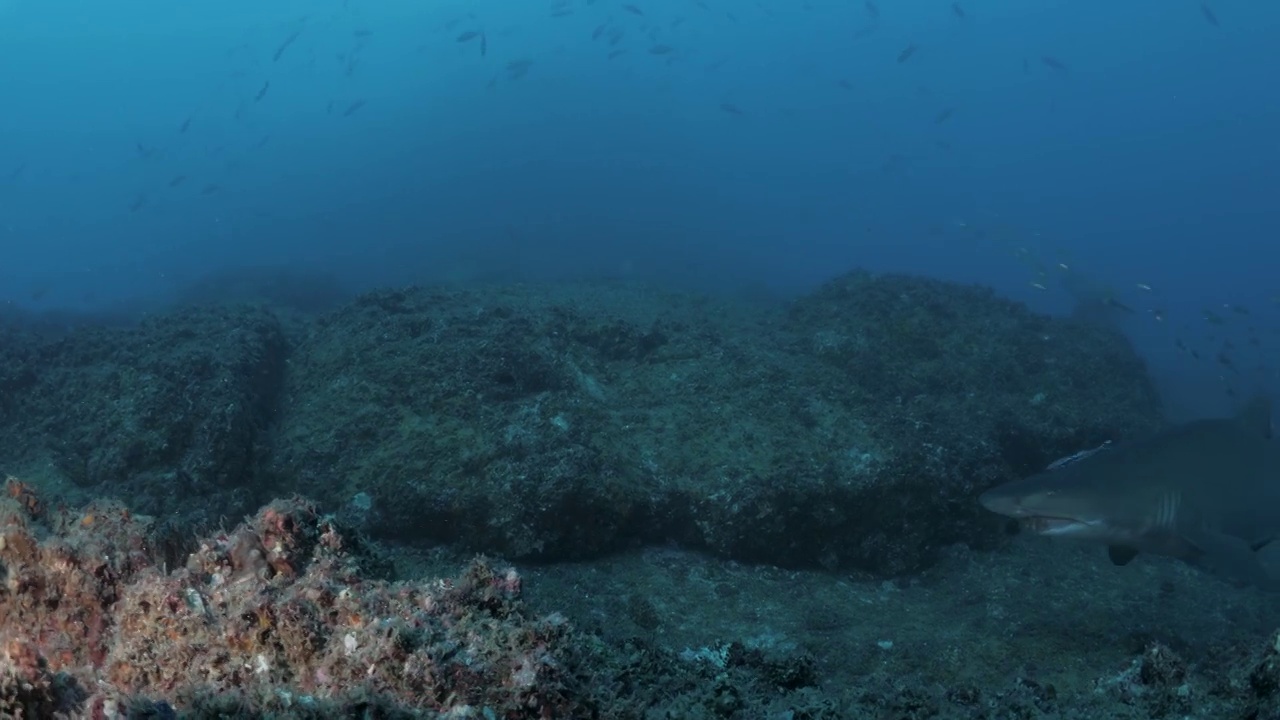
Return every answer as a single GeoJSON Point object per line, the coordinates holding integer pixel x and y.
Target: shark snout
{"type": "Point", "coordinates": [1002, 503]}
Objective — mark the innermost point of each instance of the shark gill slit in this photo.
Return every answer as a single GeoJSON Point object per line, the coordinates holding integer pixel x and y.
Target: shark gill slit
{"type": "Point", "coordinates": [1175, 503]}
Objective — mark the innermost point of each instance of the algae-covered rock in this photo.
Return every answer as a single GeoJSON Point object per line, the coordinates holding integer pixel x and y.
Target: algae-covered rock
{"type": "Point", "coordinates": [961, 390]}
{"type": "Point", "coordinates": [497, 418]}
{"type": "Point", "coordinates": [168, 414]}
{"type": "Point", "coordinates": [851, 429]}
{"type": "Point", "coordinates": [281, 616]}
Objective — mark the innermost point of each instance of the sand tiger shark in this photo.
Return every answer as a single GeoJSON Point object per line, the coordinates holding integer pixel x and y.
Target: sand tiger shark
{"type": "Point", "coordinates": [1206, 492]}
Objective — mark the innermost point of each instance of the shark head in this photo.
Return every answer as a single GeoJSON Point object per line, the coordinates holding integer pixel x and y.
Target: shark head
{"type": "Point", "coordinates": [1061, 503]}
{"type": "Point", "coordinates": [1205, 492]}
{"type": "Point", "coordinates": [1136, 493]}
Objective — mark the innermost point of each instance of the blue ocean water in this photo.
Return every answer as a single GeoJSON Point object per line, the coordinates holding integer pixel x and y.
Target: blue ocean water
{"type": "Point", "coordinates": [1047, 148]}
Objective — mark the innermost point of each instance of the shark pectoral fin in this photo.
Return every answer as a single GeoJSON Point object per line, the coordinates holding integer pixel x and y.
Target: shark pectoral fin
{"type": "Point", "coordinates": [1233, 558]}
{"type": "Point", "coordinates": [1120, 554]}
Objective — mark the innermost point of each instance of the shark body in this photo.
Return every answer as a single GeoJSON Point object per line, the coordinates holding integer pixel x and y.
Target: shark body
{"type": "Point", "coordinates": [1206, 493]}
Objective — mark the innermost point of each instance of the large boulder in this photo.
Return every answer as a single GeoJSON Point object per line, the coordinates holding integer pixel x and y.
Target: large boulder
{"type": "Point", "coordinates": [960, 390]}
{"type": "Point", "coordinates": [167, 415]}
{"type": "Point", "coordinates": [851, 429]}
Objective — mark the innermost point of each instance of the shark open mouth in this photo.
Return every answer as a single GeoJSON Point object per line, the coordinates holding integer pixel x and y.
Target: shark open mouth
{"type": "Point", "coordinates": [1048, 525]}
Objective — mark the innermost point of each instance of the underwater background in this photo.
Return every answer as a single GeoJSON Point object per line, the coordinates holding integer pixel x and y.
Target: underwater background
{"type": "Point", "coordinates": [705, 322]}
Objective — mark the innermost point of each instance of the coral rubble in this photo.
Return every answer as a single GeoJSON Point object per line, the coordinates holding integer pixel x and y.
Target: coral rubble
{"type": "Point", "coordinates": [275, 615]}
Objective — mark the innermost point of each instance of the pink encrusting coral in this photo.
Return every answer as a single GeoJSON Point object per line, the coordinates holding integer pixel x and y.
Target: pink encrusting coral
{"type": "Point", "coordinates": [276, 614]}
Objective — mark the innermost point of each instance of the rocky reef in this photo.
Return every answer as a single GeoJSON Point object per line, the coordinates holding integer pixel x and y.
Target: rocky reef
{"type": "Point", "coordinates": [291, 615]}
{"type": "Point", "coordinates": [846, 430]}
{"type": "Point", "coordinates": [717, 509]}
